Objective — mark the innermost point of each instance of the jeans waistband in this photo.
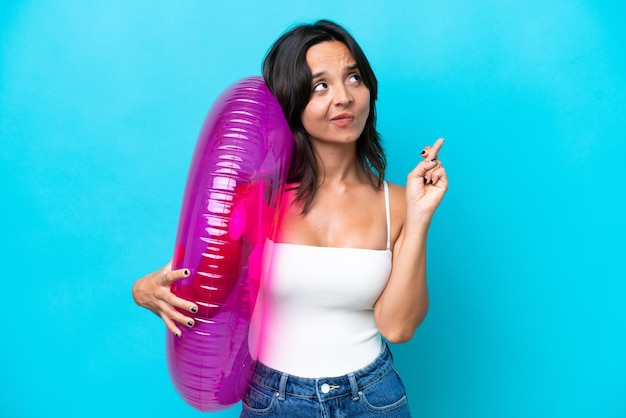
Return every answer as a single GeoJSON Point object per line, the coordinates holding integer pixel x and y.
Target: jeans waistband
{"type": "Point", "coordinates": [324, 388]}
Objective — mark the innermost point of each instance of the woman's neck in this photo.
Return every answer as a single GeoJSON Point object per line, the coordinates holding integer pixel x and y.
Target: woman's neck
{"type": "Point", "coordinates": [337, 165]}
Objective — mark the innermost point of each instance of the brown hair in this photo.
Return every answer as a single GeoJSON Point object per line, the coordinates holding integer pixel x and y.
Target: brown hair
{"type": "Point", "coordinates": [288, 76]}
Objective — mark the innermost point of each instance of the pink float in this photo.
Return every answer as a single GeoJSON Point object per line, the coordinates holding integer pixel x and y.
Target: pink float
{"type": "Point", "coordinates": [230, 210]}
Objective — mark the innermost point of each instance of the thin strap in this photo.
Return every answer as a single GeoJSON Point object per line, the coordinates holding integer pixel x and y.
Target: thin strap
{"type": "Point", "coordinates": [388, 215]}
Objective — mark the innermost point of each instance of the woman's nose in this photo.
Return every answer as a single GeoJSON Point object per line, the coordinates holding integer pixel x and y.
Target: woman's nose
{"type": "Point", "coordinates": [342, 95]}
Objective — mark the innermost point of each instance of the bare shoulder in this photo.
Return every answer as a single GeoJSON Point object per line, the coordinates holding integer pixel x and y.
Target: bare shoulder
{"type": "Point", "coordinates": [397, 206]}
{"type": "Point", "coordinates": [397, 195]}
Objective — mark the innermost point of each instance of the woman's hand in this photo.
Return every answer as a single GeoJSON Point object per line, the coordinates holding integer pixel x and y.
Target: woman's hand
{"type": "Point", "coordinates": [427, 183]}
{"type": "Point", "coordinates": [152, 292]}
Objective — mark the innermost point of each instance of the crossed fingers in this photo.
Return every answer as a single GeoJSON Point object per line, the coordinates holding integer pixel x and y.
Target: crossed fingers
{"type": "Point", "coordinates": [431, 153]}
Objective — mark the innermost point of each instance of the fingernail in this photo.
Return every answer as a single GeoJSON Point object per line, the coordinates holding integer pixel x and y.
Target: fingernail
{"type": "Point", "coordinates": [431, 181]}
{"type": "Point", "coordinates": [423, 152]}
{"type": "Point", "coordinates": [193, 309]}
{"type": "Point", "coordinates": [177, 335]}
{"type": "Point", "coordinates": [189, 324]}
{"type": "Point", "coordinates": [186, 272]}
{"type": "Point", "coordinates": [425, 179]}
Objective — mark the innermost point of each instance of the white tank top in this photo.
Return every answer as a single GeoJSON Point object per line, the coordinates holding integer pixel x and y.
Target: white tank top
{"type": "Point", "coordinates": [318, 308]}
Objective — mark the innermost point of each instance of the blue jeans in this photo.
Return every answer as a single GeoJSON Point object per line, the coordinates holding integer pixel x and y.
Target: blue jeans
{"type": "Point", "coordinates": [373, 391]}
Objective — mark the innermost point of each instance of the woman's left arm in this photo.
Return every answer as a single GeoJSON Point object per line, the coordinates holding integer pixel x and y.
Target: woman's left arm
{"type": "Point", "coordinates": [402, 306]}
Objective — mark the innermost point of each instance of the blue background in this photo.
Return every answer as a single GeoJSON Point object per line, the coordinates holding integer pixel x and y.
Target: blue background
{"type": "Point", "coordinates": [100, 106]}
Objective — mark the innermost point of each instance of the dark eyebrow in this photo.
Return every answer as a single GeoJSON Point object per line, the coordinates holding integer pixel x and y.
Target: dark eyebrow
{"type": "Point", "coordinates": [349, 68]}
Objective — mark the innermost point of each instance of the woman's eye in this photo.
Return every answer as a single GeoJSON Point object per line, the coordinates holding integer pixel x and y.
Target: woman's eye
{"type": "Point", "coordinates": [320, 86]}
{"type": "Point", "coordinates": [355, 78]}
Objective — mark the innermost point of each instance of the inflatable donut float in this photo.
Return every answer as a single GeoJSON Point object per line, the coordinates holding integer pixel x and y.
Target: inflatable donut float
{"type": "Point", "coordinates": [229, 211]}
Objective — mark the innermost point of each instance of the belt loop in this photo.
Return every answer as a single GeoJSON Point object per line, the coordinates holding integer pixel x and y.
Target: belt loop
{"type": "Point", "coordinates": [282, 385]}
{"type": "Point", "coordinates": [354, 386]}
{"type": "Point", "coordinates": [388, 350]}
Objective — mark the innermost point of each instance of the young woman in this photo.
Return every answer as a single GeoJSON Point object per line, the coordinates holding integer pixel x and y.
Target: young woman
{"type": "Point", "coordinates": [349, 262]}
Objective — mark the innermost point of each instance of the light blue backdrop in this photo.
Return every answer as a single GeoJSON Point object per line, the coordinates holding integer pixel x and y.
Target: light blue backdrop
{"type": "Point", "coordinates": [100, 106]}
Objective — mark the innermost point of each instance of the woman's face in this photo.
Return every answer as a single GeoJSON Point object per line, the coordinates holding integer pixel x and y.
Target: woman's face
{"type": "Point", "coordinates": [340, 102]}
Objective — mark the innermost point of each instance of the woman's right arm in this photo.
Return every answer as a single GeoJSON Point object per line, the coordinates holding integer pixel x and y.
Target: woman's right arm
{"type": "Point", "coordinates": [152, 292]}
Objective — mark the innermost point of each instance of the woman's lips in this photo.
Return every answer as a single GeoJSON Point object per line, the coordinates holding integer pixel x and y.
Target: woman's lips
{"type": "Point", "coordinates": [342, 120]}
